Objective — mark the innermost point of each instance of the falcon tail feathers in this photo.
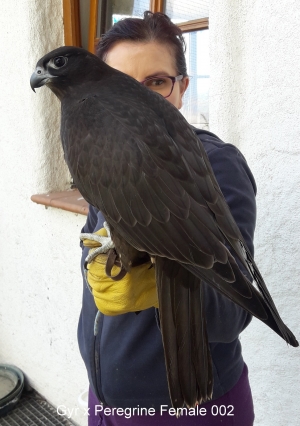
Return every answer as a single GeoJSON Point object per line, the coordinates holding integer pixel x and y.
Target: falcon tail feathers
{"type": "Point", "coordinates": [201, 352]}
{"type": "Point", "coordinates": [182, 319]}
{"type": "Point", "coordinates": [168, 331]}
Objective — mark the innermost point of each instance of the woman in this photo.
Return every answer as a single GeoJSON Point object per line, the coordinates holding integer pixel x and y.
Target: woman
{"type": "Point", "coordinates": [125, 360]}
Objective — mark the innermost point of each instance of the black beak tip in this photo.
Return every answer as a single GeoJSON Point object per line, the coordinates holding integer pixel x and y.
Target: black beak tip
{"type": "Point", "coordinates": [33, 81]}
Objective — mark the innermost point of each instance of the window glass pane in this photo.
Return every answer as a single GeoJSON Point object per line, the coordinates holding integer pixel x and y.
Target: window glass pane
{"type": "Point", "coordinates": [195, 101]}
{"type": "Point", "coordinates": [111, 11]}
{"type": "Point", "coordinates": [133, 8]}
{"type": "Point", "coordinates": [187, 10]}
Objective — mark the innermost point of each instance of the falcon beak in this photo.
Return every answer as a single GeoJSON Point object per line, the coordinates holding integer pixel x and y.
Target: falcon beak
{"type": "Point", "coordinates": [39, 78]}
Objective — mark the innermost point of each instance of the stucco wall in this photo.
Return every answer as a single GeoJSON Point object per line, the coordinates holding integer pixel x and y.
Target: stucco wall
{"type": "Point", "coordinates": [254, 104]}
{"type": "Point", "coordinates": [39, 274]}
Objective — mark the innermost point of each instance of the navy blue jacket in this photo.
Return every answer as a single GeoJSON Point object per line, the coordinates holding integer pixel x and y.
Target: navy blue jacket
{"type": "Point", "coordinates": [125, 361]}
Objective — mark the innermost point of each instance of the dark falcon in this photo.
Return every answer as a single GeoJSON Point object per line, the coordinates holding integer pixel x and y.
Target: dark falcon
{"type": "Point", "coordinates": [134, 157]}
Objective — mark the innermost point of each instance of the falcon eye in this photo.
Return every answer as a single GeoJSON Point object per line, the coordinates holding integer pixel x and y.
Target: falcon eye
{"type": "Point", "coordinates": [59, 61]}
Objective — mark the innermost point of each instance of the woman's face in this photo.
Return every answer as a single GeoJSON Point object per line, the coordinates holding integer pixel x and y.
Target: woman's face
{"type": "Point", "coordinates": [142, 60]}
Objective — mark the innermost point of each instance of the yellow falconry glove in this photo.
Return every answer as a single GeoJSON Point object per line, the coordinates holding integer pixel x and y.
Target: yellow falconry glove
{"type": "Point", "coordinates": [136, 291]}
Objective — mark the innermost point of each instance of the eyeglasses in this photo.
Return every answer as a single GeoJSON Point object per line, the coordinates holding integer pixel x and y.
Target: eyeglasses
{"type": "Point", "coordinates": [161, 84]}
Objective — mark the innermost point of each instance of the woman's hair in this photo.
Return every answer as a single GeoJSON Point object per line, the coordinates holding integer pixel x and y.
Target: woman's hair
{"type": "Point", "coordinates": [153, 27]}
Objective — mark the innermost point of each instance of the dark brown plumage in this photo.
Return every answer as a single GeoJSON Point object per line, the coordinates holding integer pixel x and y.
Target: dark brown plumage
{"type": "Point", "coordinates": [134, 157]}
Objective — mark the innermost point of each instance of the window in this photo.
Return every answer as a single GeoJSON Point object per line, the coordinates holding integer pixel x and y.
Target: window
{"type": "Point", "coordinates": [195, 106]}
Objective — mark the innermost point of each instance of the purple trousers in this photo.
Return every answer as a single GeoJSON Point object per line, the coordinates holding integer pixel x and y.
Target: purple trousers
{"type": "Point", "coordinates": [235, 408]}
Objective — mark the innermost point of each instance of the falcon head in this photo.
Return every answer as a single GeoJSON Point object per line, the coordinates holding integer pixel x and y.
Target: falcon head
{"type": "Point", "coordinates": [66, 67]}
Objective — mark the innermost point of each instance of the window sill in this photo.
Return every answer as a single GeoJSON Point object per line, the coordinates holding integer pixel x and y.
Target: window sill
{"type": "Point", "coordinates": [70, 200]}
